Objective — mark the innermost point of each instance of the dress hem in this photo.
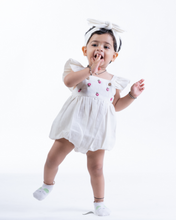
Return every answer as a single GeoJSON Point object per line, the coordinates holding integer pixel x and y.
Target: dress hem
{"type": "Point", "coordinates": [65, 135]}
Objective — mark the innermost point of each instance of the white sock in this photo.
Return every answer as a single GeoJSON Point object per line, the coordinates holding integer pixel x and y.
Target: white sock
{"type": "Point", "coordinates": [43, 191]}
{"type": "Point", "coordinates": [101, 209]}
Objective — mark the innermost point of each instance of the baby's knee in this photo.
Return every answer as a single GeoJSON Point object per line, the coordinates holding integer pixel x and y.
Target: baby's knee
{"type": "Point", "coordinates": [51, 161]}
{"type": "Point", "coordinates": [96, 170]}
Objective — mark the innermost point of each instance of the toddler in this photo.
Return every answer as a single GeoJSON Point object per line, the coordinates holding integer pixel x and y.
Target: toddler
{"type": "Point", "coordinates": [87, 121]}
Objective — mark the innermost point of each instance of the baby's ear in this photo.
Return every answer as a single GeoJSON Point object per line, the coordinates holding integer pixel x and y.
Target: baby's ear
{"type": "Point", "coordinates": [84, 49]}
{"type": "Point", "coordinates": [115, 56]}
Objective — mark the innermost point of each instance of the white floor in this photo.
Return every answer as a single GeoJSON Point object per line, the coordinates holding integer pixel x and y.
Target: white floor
{"type": "Point", "coordinates": [130, 197]}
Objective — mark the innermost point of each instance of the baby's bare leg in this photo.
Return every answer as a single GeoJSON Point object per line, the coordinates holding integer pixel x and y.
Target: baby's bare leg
{"type": "Point", "coordinates": [95, 168]}
{"type": "Point", "coordinates": [56, 155]}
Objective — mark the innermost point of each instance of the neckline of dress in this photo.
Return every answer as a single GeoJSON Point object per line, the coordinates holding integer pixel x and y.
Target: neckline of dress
{"type": "Point", "coordinates": [103, 78]}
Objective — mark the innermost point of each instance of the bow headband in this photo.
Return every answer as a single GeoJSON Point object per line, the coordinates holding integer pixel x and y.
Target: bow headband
{"type": "Point", "coordinates": [106, 25]}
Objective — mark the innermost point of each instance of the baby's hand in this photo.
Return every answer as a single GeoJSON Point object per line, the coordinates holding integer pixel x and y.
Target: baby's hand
{"type": "Point", "coordinates": [137, 88]}
{"type": "Point", "coordinates": [96, 62]}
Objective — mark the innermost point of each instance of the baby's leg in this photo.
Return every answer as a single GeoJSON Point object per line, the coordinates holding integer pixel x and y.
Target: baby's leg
{"type": "Point", "coordinates": [95, 168]}
{"type": "Point", "coordinates": [56, 155]}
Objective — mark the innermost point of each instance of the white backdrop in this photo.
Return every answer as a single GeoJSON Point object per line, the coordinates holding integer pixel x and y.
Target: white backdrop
{"type": "Point", "coordinates": [38, 37]}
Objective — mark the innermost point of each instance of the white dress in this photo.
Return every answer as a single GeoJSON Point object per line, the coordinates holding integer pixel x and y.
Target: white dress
{"type": "Point", "coordinates": [88, 118]}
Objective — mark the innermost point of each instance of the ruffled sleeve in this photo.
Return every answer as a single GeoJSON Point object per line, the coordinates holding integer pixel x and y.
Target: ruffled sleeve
{"type": "Point", "coordinates": [119, 82]}
{"type": "Point", "coordinates": [71, 65]}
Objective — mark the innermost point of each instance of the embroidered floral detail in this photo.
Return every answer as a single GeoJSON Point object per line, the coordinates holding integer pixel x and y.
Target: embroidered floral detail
{"type": "Point", "coordinates": [111, 99]}
{"type": "Point", "coordinates": [107, 89]}
{"type": "Point", "coordinates": [109, 84]}
{"type": "Point", "coordinates": [97, 94]}
{"type": "Point", "coordinates": [79, 90]}
{"type": "Point", "coordinates": [89, 84]}
{"type": "Point", "coordinates": [99, 81]}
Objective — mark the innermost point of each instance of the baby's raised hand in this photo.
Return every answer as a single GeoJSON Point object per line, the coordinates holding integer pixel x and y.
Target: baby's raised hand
{"type": "Point", "coordinates": [137, 88]}
{"type": "Point", "coordinates": [96, 62]}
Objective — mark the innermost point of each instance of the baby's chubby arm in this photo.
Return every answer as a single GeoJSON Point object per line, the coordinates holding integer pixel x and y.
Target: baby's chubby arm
{"type": "Point", "coordinates": [136, 89]}
{"type": "Point", "coordinates": [73, 78]}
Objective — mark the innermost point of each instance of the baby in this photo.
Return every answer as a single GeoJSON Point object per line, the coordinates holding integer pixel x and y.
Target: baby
{"type": "Point", "coordinates": [87, 121]}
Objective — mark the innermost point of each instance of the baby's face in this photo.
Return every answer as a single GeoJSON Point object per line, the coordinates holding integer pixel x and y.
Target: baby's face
{"type": "Point", "coordinates": [103, 45]}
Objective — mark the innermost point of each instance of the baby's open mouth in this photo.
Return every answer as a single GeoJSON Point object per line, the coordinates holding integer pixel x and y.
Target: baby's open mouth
{"type": "Point", "coordinates": [100, 57]}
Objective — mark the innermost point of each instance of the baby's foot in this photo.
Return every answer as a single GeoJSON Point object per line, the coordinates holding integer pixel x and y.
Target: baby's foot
{"type": "Point", "coordinates": [43, 191]}
{"type": "Point", "coordinates": [101, 209]}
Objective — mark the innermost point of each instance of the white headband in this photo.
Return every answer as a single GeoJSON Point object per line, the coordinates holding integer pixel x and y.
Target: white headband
{"type": "Point", "coordinates": [107, 25]}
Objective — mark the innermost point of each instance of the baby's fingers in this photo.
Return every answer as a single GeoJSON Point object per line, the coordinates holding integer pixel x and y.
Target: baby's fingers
{"type": "Point", "coordinates": [141, 81]}
{"type": "Point", "coordinates": [141, 89]}
{"type": "Point", "coordinates": [141, 85]}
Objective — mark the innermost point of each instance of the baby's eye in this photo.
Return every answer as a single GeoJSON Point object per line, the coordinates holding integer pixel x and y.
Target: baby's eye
{"type": "Point", "coordinates": [106, 47]}
{"type": "Point", "coordinates": [94, 45]}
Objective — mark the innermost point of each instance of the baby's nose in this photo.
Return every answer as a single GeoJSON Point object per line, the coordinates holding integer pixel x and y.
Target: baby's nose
{"type": "Point", "coordinates": [99, 49]}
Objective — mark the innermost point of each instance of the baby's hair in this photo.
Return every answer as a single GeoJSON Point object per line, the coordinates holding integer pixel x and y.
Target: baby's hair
{"type": "Point", "coordinates": [106, 31]}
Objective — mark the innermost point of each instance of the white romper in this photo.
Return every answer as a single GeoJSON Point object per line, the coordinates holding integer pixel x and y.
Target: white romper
{"type": "Point", "coordinates": [88, 118]}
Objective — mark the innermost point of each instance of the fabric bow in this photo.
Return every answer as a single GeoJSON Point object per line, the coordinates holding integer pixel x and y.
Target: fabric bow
{"type": "Point", "coordinates": [105, 24]}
